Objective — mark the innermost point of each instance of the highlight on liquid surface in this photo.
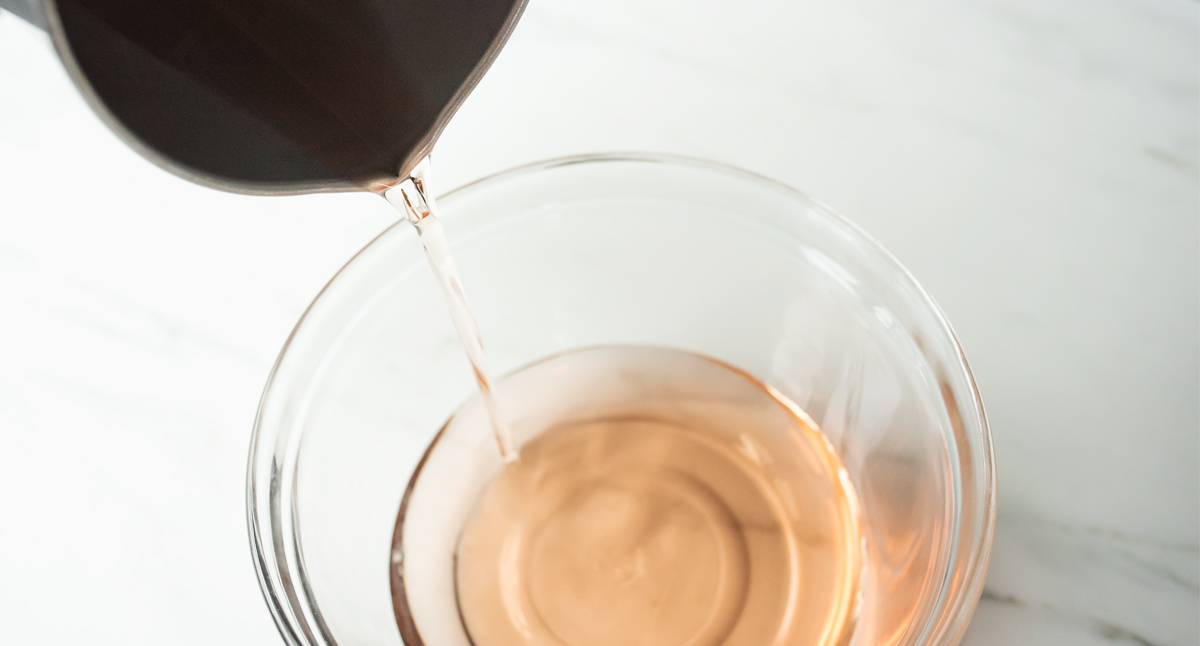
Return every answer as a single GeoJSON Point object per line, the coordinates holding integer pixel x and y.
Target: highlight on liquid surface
{"type": "Point", "coordinates": [661, 498]}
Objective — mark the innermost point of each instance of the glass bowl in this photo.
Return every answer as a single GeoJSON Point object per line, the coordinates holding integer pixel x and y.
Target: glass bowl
{"type": "Point", "coordinates": [626, 249]}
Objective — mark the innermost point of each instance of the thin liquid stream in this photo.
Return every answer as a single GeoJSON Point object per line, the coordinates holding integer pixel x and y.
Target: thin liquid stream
{"type": "Point", "coordinates": [413, 200]}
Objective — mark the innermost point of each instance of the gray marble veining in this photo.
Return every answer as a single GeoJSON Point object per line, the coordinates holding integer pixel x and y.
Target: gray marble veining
{"type": "Point", "coordinates": [1035, 164]}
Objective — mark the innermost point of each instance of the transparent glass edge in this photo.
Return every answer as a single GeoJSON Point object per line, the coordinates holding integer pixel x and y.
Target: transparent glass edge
{"type": "Point", "coordinates": [946, 629]}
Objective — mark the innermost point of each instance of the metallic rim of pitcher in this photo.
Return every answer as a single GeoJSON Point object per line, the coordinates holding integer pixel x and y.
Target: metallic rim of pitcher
{"type": "Point", "coordinates": [945, 625]}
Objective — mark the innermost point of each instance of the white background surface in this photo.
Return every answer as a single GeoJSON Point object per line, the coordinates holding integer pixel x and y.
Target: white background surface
{"type": "Point", "coordinates": [1034, 162]}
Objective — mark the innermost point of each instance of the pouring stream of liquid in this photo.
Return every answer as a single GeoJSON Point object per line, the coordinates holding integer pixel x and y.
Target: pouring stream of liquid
{"type": "Point", "coordinates": [413, 200]}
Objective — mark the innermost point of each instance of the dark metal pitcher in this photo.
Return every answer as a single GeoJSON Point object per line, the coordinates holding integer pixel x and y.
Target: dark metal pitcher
{"type": "Point", "coordinates": [277, 96]}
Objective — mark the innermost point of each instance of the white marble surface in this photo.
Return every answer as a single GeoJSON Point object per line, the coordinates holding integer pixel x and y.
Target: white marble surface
{"type": "Point", "coordinates": [1034, 162]}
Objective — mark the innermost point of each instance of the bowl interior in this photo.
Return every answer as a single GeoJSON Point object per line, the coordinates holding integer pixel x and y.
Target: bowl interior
{"type": "Point", "coordinates": [634, 250]}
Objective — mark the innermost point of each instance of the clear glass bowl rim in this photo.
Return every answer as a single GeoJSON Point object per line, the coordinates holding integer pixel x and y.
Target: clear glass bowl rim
{"type": "Point", "coordinates": [282, 595]}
